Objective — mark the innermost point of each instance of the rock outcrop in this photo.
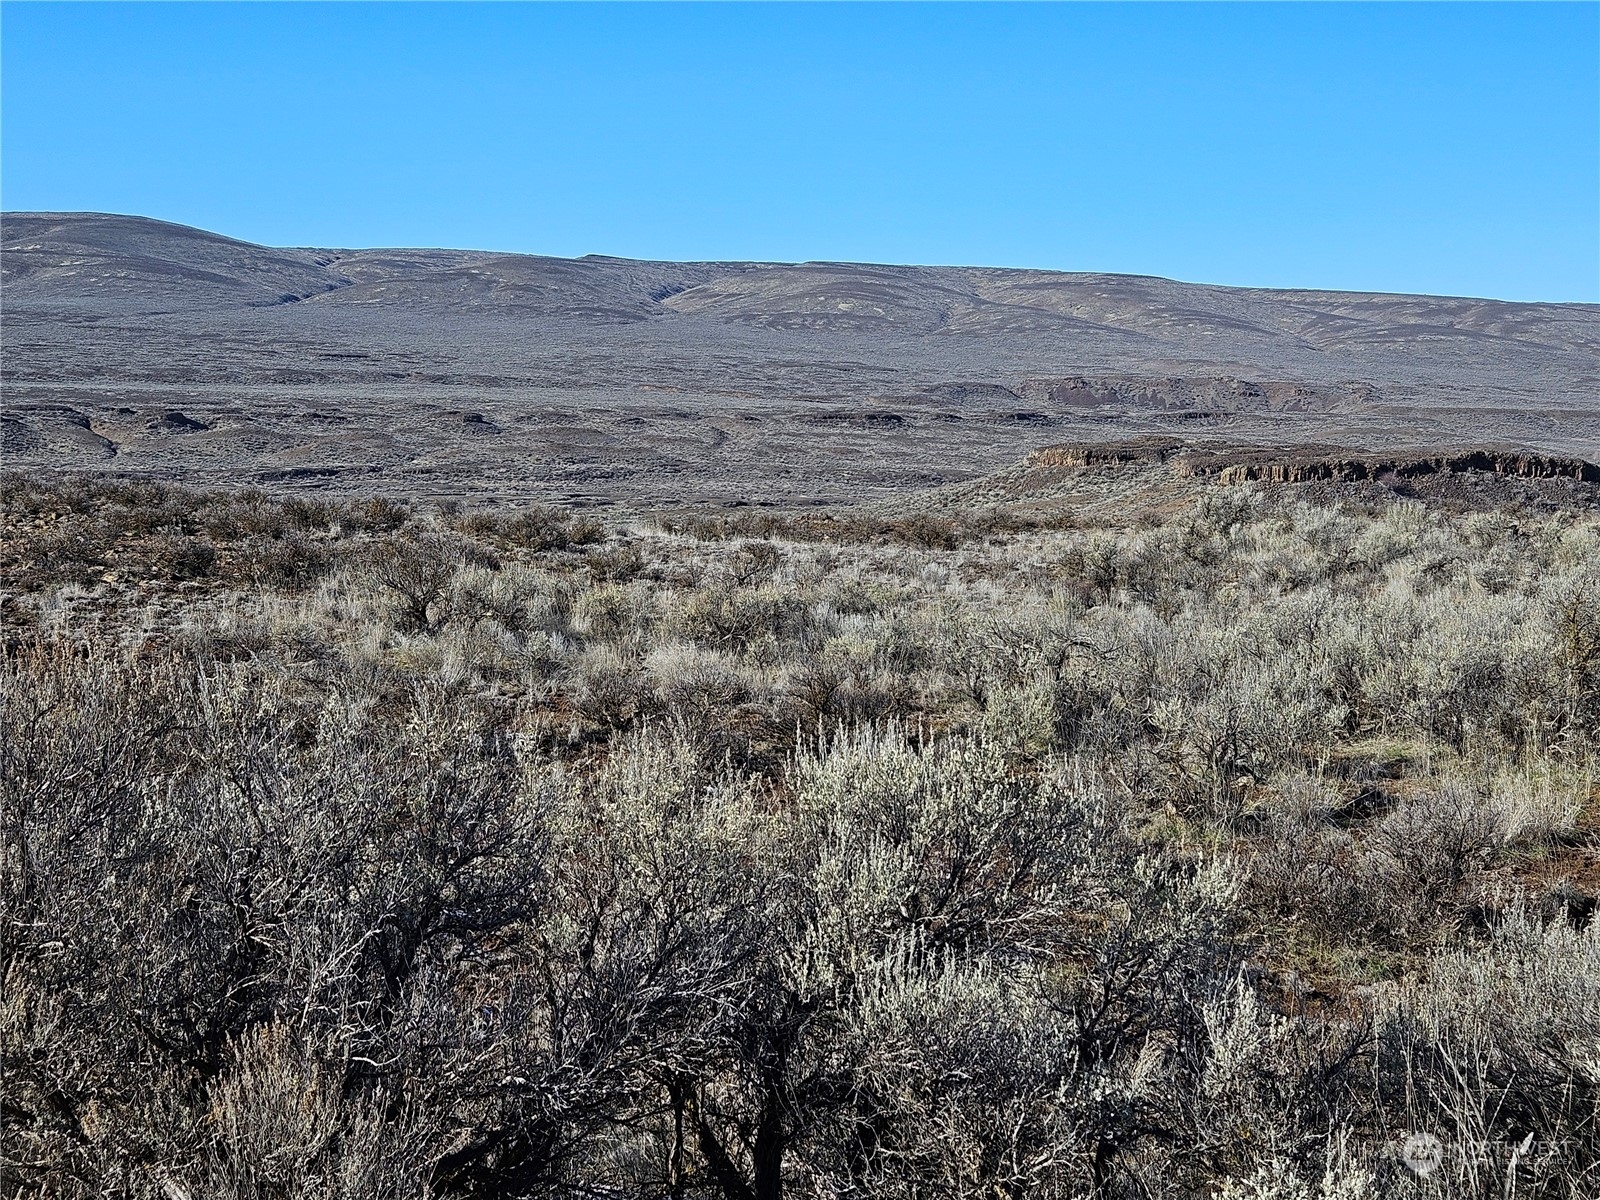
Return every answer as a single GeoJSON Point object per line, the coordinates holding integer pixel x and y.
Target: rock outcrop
{"type": "Point", "coordinates": [1354, 468]}
{"type": "Point", "coordinates": [1311, 464]}
{"type": "Point", "coordinates": [1134, 450]}
{"type": "Point", "coordinates": [1211, 395]}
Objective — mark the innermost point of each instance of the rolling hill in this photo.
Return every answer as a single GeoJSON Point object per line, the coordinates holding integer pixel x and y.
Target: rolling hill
{"type": "Point", "coordinates": [138, 346]}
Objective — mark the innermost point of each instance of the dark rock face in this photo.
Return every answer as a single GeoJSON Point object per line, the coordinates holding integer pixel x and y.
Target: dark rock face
{"type": "Point", "coordinates": [1133, 450]}
{"type": "Point", "coordinates": [1350, 469]}
{"type": "Point", "coordinates": [177, 422]}
{"type": "Point", "coordinates": [1312, 464]}
{"type": "Point", "coordinates": [476, 422]}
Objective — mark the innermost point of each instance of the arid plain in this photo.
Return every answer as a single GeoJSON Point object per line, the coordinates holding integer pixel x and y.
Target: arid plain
{"type": "Point", "coordinates": [133, 347]}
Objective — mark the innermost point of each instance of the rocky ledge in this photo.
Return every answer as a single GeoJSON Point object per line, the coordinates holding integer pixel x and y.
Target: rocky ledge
{"type": "Point", "coordinates": [1310, 464]}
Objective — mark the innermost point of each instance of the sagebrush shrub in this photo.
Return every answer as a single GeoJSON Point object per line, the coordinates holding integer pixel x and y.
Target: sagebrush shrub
{"type": "Point", "coordinates": [390, 853]}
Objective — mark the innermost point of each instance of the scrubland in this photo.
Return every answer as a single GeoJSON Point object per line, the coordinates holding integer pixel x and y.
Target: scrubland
{"type": "Point", "coordinates": [352, 850]}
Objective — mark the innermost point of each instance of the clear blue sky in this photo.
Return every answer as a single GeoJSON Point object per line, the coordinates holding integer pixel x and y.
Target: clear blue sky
{"type": "Point", "coordinates": [1432, 148]}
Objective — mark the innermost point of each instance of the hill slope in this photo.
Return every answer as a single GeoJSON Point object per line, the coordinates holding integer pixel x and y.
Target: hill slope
{"type": "Point", "coordinates": [134, 345]}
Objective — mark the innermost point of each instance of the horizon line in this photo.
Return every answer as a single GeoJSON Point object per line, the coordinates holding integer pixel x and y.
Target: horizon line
{"type": "Point", "coordinates": [775, 262]}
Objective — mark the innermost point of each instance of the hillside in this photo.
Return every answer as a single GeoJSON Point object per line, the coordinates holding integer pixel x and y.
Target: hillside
{"type": "Point", "coordinates": [135, 346]}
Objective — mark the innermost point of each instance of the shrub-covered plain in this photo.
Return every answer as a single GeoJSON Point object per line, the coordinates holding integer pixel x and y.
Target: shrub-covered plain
{"type": "Point", "coordinates": [356, 851]}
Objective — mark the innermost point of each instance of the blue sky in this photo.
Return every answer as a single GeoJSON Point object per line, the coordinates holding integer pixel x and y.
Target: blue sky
{"type": "Point", "coordinates": [1390, 147]}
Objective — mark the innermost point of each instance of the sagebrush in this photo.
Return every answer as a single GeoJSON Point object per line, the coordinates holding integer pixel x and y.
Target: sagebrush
{"type": "Point", "coordinates": [352, 850]}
